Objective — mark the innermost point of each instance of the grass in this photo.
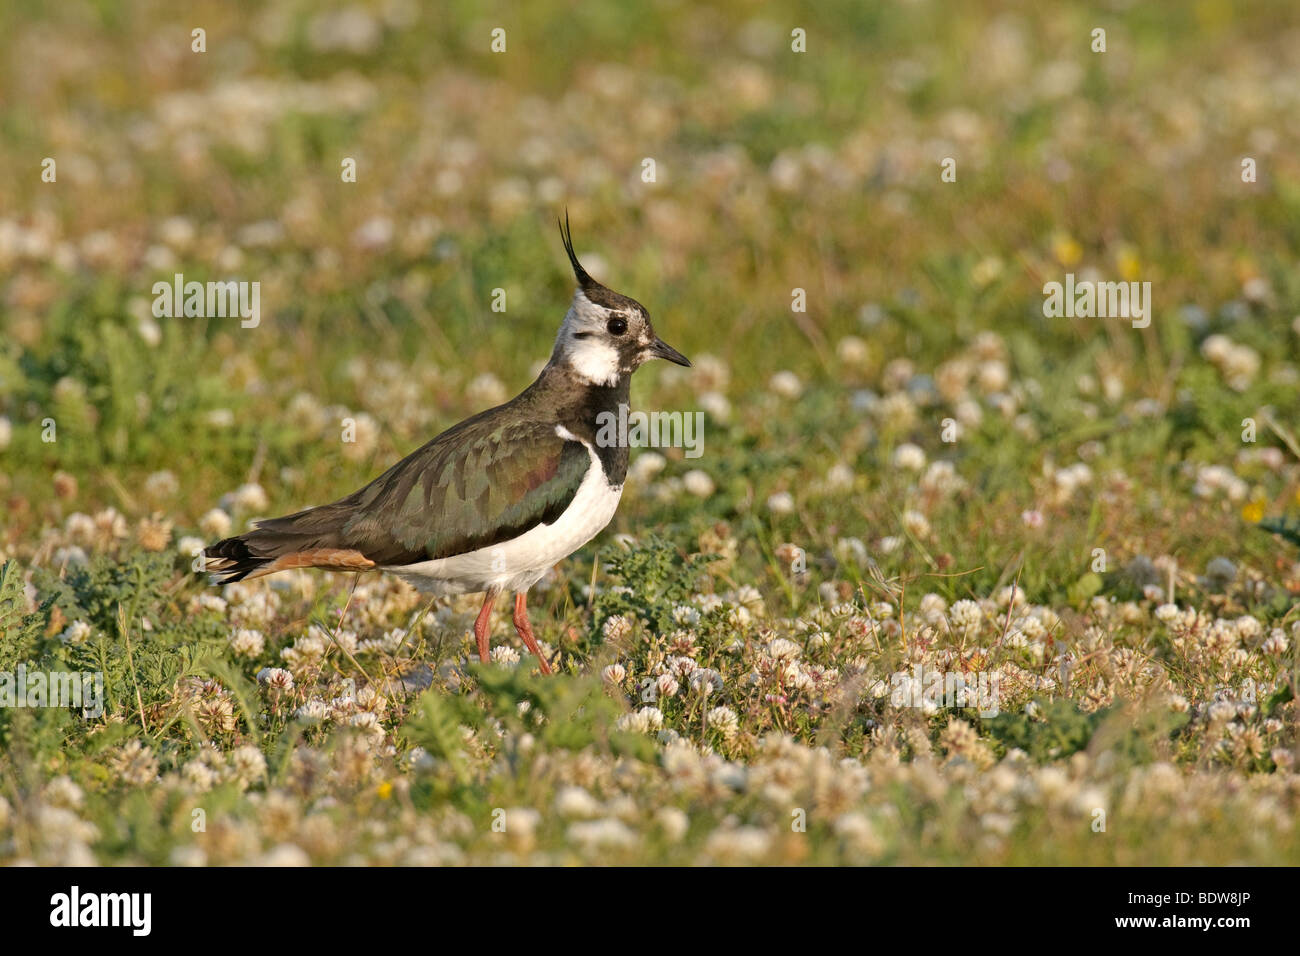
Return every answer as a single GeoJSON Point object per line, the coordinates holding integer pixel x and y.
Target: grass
{"type": "Point", "coordinates": [1097, 533]}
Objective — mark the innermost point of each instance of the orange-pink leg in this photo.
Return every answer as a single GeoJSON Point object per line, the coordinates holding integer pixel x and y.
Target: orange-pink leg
{"type": "Point", "coordinates": [525, 629]}
{"type": "Point", "coordinates": [482, 625]}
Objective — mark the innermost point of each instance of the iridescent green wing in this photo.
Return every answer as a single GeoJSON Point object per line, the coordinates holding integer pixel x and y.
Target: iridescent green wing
{"type": "Point", "coordinates": [485, 481]}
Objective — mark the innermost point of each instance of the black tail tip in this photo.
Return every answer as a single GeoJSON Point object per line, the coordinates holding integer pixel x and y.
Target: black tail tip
{"type": "Point", "coordinates": [230, 560]}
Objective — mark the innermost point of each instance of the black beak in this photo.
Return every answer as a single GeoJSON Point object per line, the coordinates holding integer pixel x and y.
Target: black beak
{"type": "Point", "coordinates": [661, 349]}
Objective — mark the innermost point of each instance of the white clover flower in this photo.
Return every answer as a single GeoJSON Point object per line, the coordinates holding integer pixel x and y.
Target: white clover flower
{"type": "Point", "coordinates": [1011, 594]}
{"type": "Point", "coordinates": [614, 673]}
{"type": "Point", "coordinates": [852, 350]}
{"type": "Point", "coordinates": [1168, 613]}
{"type": "Point", "coordinates": [965, 614]}
{"type": "Point", "coordinates": [739, 617]}
{"type": "Point", "coordinates": [314, 710]}
{"type": "Point", "coordinates": [1240, 367]}
{"type": "Point", "coordinates": [367, 722]}
{"type": "Point", "coordinates": [856, 831]}
{"type": "Point", "coordinates": [673, 821]}
{"type": "Point", "coordinates": [839, 477]}
{"type": "Point", "coordinates": [1216, 347]}
{"type": "Point", "coordinates": [111, 523]}
{"type": "Point", "coordinates": [686, 615]}
{"type": "Point", "coordinates": [608, 834]}
{"type": "Point", "coordinates": [307, 649]}
{"type": "Point", "coordinates": [576, 803]}
{"type": "Point", "coordinates": [248, 764]}
{"type": "Point", "coordinates": [247, 642]}
{"type": "Point", "coordinates": [648, 464]}
{"type": "Point", "coordinates": [851, 550]}
{"type": "Point", "coordinates": [1032, 627]}
{"type": "Point", "coordinates": [135, 764]}
{"type": "Point", "coordinates": [781, 503]}
{"type": "Point", "coordinates": [932, 606]}
{"type": "Point", "coordinates": [70, 555]}
{"type": "Point", "coordinates": [362, 435]}
{"type": "Point", "coordinates": [284, 854]}
{"type": "Point", "coordinates": [993, 376]}
{"type": "Point", "coordinates": [969, 413]}
{"type": "Point", "coordinates": [724, 721]}
{"type": "Point", "coordinates": [743, 844]}
{"type": "Point", "coordinates": [1275, 644]}
{"type": "Point", "coordinates": [782, 649]}
{"type": "Point", "coordinates": [799, 678]}
{"type": "Point", "coordinates": [667, 685]}
{"type": "Point", "coordinates": [80, 527]}
{"type": "Point", "coordinates": [680, 665]}
{"type": "Point", "coordinates": [941, 478]}
{"type": "Point", "coordinates": [521, 821]}
{"type": "Point", "coordinates": [275, 677]}
{"type": "Point", "coordinates": [707, 602]}
{"type": "Point", "coordinates": [896, 411]}
{"type": "Point", "coordinates": [1220, 712]}
{"type": "Point", "coordinates": [62, 792]}
{"type": "Point", "coordinates": [1248, 628]}
{"type": "Point", "coordinates": [199, 775]}
{"type": "Point", "coordinates": [212, 602]}
{"type": "Point", "coordinates": [504, 654]}
{"type": "Point", "coordinates": [78, 632]}
{"type": "Point", "coordinates": [698, 483]}
{"type": "Point", "coordinates": [642, 721]}
{"type": "Point", "coordinates": [161, 484]}
{"type": "Point", "coordinates": [747, 595]}
{"type": "Point", "coordinates": [786, 384]}
{"type": "Point", "coordinates": [704, 680]}
{"type": "Point", "coordinates": [59, 826]}
{"type": "Point", "coordinates": [486, 389]}
{"type": "Point", "coordinates": [616, 627]}
{"type": "Point", "coordinates": [215, 523]}
{"type": "Point", "coordinates": [916, 524]}
{"type": "Point", "coordinates": [190, 546]}
{"type": "Point", "coordinates": [909, 457]}
{"type": "Point", "coordinates": [715, 405]}
{"type": "Point", "coordinates": [250, 497]}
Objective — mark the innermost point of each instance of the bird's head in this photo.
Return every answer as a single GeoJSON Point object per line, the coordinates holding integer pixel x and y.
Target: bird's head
{"type": "Point", "coordinates": [605, 336]}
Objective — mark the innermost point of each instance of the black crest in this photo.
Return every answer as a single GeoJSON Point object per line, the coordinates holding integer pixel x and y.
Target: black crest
{"type": "Point", "coordinates": [566, 235]}
{"type": "Point", "coordinates": [593, 290]}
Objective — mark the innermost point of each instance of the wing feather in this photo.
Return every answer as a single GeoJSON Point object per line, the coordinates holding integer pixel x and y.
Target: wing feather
{"type": "Point", "coordinates": [481, 483]}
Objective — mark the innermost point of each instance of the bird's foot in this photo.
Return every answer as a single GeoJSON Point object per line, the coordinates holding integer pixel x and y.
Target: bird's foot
{"type": "Point", "coordinates": [524, 628]}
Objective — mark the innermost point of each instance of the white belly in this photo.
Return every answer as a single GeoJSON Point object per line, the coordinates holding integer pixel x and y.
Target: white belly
{"type": "Point", "coordinates": [519, 563]}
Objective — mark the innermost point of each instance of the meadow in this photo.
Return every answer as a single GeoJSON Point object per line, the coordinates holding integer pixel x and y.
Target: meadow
{"type": "Point", "coordinates": [845, 214]}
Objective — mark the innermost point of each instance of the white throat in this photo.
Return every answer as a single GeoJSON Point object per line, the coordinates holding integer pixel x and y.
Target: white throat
{"type": "Point", "coordinates": [593, 361]}
{"type": "Point", "coordinates": [582, 346]}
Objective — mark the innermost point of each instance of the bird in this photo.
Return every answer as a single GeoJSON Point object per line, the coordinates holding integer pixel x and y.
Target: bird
{"type": "Point", "coordinates": [496, 501]}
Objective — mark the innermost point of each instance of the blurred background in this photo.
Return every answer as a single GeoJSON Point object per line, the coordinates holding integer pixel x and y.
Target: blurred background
{"type": "Point", "coordinates": [881, 469]}
{"type": "Point", "coordinates": [774, 171]}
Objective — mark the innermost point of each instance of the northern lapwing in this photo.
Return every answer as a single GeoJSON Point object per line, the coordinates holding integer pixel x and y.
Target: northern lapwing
{"type": "Point", "coordinates": [493, 503]}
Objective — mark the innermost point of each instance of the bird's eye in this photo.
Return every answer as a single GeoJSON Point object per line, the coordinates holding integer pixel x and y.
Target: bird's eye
{"type": "Point", "coordinates": [616, 326]}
